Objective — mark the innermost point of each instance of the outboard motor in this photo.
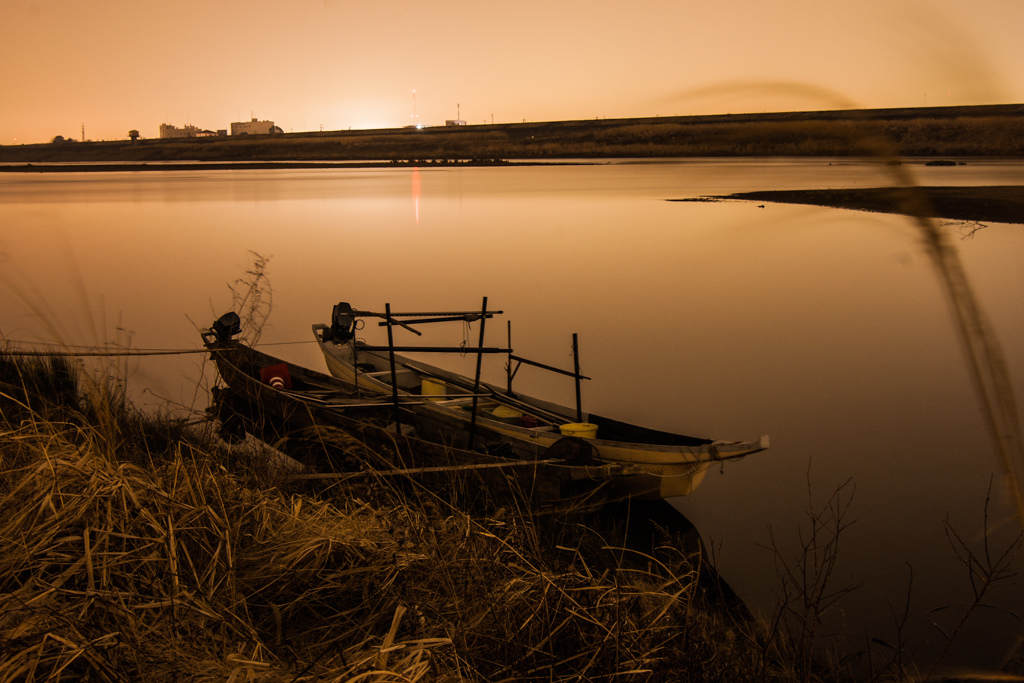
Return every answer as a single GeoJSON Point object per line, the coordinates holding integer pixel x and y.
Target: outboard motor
{"type": "Point", "coordinates": [343, 323]}
{"type": "Point", "coordinates": [226, 327]}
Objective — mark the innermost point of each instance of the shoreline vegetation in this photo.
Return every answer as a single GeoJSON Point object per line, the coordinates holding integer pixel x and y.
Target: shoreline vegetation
{"type": "Point", "coordinates": [995, 131]}
{"type": "Point", "coordinates": [149, 549]}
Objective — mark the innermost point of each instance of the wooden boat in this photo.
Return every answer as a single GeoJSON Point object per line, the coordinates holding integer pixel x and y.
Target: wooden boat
{"type": "Point", "coordinates": [672, 464]}
{"type": "Point", "coordinates": [281, 402]}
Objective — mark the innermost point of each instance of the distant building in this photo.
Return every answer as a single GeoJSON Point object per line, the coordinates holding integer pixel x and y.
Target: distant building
{"type": "Point", "coordinates": [169, 131]}
{"type": "Point", "coordinates": [454, 122]}
{"type": "Point", "coordinates": [253, 127]}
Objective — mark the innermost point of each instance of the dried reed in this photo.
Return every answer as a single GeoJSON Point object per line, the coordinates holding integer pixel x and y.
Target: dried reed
{"type": "Point", "coordinates": [134, 549]}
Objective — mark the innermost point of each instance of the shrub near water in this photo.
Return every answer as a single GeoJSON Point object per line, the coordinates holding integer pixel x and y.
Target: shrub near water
{"type": "Point", "coordinates": [122, 562]}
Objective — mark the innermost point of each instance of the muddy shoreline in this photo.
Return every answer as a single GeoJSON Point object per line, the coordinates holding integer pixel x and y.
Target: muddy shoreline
{"type": "Point", "coordinates": [995, 204]}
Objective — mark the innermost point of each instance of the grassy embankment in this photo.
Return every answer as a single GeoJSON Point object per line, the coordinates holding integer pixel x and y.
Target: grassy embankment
{"type": "Point", "coordinates": [990, 131]}
{"type": "Point", "coordinates": [140, 548]}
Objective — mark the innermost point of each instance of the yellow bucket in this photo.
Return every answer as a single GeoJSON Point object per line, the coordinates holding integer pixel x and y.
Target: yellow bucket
{"type": "Point", "coordinates": [584, 430]}
{"type": "Point", "coordinates": [433, 387]}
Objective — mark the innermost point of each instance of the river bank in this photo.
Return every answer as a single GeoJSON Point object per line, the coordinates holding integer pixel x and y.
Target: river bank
{"type": "Point", "coordinates": [150, 549]}
{"type": "Point", "coordinates": [986, 131]}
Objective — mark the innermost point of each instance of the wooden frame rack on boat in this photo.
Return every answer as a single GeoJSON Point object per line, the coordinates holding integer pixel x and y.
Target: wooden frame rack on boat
{"type": "Point", "coordinates": [391, 319]}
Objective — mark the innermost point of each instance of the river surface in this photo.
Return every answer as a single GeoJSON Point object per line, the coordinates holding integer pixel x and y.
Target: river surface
{"type": "Point", "coordinates": [826, 329]}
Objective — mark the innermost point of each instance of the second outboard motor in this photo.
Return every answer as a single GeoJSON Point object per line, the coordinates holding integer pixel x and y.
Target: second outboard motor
{"type": "Point", "coordinates": [226, 327]}
{"type": "Point", "coordinates": [343, 323]}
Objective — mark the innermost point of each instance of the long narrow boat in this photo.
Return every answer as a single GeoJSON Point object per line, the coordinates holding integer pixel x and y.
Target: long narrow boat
{"type": "Point", "coordinates": [279, 401]}
{"type": "Point", "coordinates": [675, 464]}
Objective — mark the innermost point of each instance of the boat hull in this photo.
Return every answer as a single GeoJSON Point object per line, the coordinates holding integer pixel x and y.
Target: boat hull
{"type": "Point", "coordinates": [669, 465]}
{"type": "Point", "coordinates": [495, 469]}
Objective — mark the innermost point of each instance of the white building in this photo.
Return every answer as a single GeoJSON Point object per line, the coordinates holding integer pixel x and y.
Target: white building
{"type": "Point", "coordinates": [454, 122]}
{"type": "Point", "coordinates": [253, 127]}
{"type": "Point", "coordinates": [169, 131]}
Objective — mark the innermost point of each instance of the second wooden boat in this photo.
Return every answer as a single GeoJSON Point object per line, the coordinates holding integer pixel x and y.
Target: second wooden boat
{"type": "Point", "coordinates": [673, 464]}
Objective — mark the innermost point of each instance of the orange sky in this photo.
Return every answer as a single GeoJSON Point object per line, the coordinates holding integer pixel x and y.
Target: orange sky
{"type": "Point", "coordinates": [114, 65]}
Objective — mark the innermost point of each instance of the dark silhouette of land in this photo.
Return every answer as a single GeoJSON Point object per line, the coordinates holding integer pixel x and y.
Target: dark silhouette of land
{"type": "Point", "coordinates": [988, 131]}
{"type": "Point", "coordinates": [996, 204]}
{"type": "Point", "coordinates": [132, 167]}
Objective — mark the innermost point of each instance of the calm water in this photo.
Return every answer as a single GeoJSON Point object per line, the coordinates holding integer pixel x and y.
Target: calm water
{"type": "Point", "coordinates": [825, 329]}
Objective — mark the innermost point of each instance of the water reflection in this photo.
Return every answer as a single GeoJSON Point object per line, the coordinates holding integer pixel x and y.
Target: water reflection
{"type": "Point", "coordinates": [416, 193]}
{"type": "Point", "coordinates": [825, 329]}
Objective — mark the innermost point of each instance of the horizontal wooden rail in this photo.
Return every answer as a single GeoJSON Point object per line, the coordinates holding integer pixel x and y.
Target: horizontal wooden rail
{"type": "Point", "coordinates": [447, 319]}
{"type": "Point", "coordinates": [433, 349]}
{"type": "Point", "coordinates": [460, 314]}
{"type": "Point", "coordinates": [546, 367]}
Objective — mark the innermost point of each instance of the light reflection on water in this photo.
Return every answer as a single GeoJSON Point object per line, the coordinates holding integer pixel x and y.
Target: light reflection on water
{"type": "Point", "coordinates": [825, 329]}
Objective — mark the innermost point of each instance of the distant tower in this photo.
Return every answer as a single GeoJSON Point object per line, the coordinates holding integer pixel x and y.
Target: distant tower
{"type": "Point", "coordinates": [415, 115]}
{"type": "Point", "coordinates": [134, 135]}
{"type": "Point", "coordinates": [83, 132]}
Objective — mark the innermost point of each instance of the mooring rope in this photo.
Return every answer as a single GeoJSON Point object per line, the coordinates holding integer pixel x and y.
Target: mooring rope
{"type": "Point", "coordinates": [125, 352]}
{"type": "Point", "coordinates": [428, 470]}
{"type": "Point", "coordinates": [95, 351]}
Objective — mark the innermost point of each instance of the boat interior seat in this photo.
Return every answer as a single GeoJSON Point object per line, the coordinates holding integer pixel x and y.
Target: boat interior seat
{"type": "Point", "coordinates": [387, 373]}
{"type": "Point", "coordinates": [455, 402]}
{"type": "Point", "coordinates": [407, 379]}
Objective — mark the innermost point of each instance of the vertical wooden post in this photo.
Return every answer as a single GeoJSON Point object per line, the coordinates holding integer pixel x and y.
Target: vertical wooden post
{"type": "Point", "coordinates": [476, 383]}
{"type": "Point", "coordinates": [355, 365]}
{"type": "Point", "coordinates": [509, 366]}
{"type": "Point", "coordinates": [576, 361]}
{"type": "Point", "coordinates": [394, 374]}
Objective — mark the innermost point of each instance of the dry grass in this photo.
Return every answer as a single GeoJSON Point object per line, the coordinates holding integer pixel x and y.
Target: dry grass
{"type": "Point", "coordinates": [124, 561]}
{"type": "Point", "coordinates": [120, 573]}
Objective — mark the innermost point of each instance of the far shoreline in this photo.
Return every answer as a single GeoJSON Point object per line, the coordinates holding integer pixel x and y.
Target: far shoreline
{"type": "Point", "coordinates": [128, 166]}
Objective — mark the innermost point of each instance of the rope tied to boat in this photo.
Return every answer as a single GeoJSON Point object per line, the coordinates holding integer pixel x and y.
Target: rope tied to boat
{"type": "Point", "coordinates": [467, 327]}
{"type": "Point", "coordinates": [101, 351]}
{"type": "Point", "coordinates": [122, 352]}
{"type": "Point", "coordinates": [425, 470]}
